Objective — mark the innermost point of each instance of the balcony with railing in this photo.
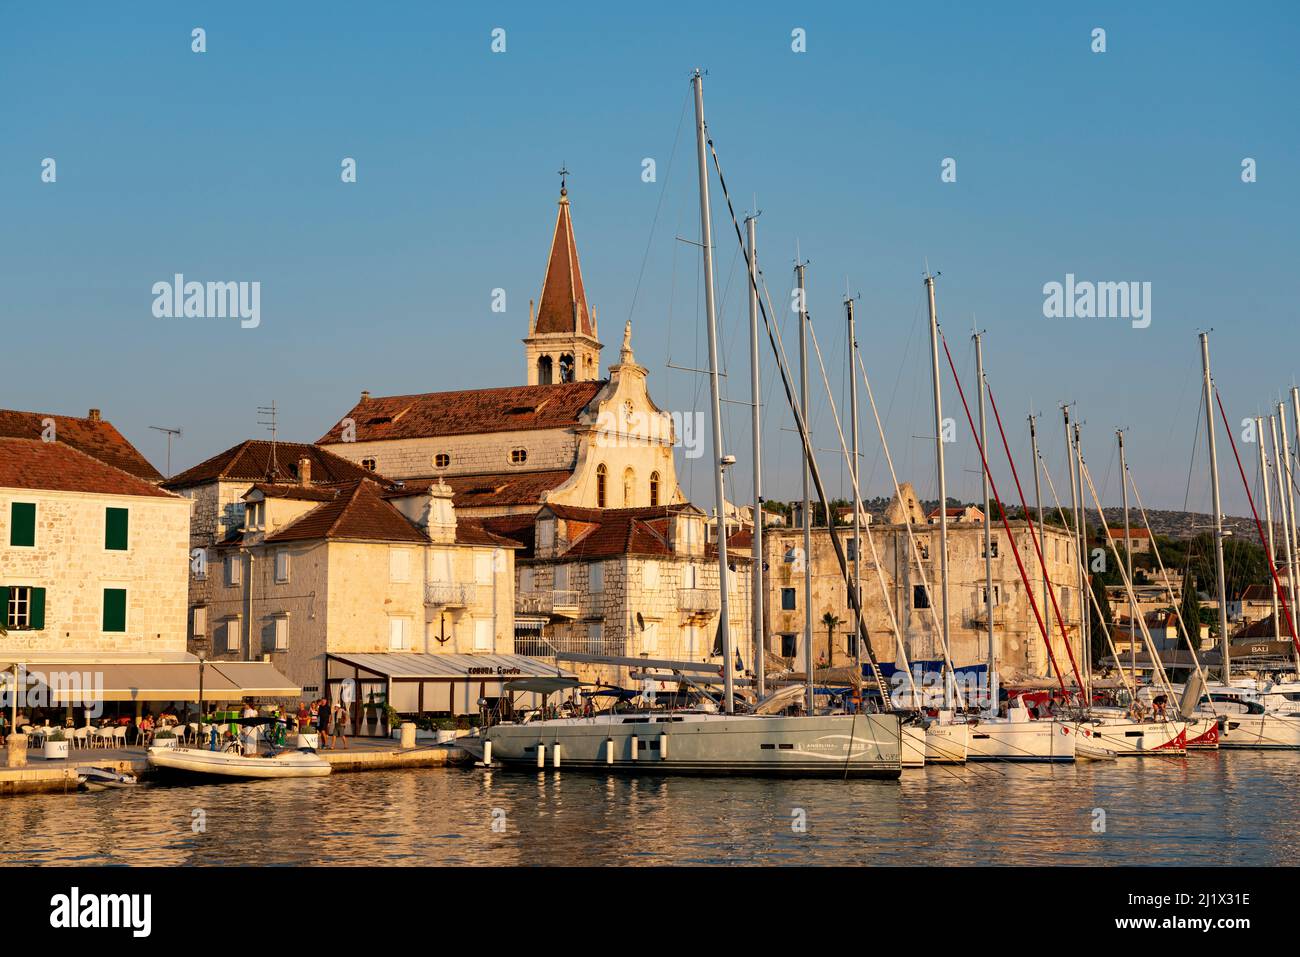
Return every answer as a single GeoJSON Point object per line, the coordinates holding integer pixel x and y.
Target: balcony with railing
{"type": "Point", "coordinates": [559, 603]}
{"type": "Point", "coordinates": [536, 645]}
{"type": "Point", "coordinates": [450, 594]}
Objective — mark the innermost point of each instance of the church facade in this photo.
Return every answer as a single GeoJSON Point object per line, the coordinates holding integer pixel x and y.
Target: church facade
{"type": "Point", "coordinates": [567, 437]}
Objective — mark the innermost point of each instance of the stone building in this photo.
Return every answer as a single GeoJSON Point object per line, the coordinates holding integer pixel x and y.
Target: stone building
{"type": "Point", "coordinates": [1019, 645]}
{"type": "Point", "coordinates": [639, 582]}
{"type": "Point", "coordinates": [568, 437]}
{"type": "Point", "coordinates": [352, 569]}
{"type": "Point", "coordinates": [217, 487]}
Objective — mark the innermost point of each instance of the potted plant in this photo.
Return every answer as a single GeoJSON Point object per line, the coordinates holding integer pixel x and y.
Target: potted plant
{"type": "Point", "coordinates": [446, 730]}
{"type": "Point", "coordinates": [308, 737]}
{"type": "Point", "coordinates": [166, 738]}
{"type": "Point", "coordinates": [55, 747]}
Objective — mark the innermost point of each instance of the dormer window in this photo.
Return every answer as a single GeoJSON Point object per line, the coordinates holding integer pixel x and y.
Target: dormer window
{"type": "Point", "coordinates": [441, 460]}
{"type": "Point", "coordinates": [518, 456]}
{"type": "Point", "coordinates": [368, 465]}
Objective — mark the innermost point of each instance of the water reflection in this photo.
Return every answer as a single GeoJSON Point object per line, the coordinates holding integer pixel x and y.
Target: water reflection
{"type": "Point", "coordinates": [1212, 808]}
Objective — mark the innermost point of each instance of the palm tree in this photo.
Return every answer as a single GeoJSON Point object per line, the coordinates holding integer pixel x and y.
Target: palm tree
{"type": "Point", "coordinates": [830, 621]}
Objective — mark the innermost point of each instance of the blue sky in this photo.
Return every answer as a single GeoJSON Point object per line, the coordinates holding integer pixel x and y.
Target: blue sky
{"type": "Point", "coordinates": [225, 165]}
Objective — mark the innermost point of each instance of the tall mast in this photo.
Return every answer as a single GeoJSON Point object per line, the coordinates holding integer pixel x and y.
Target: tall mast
{"type": "Point", "coordinates": [943, 486]}
{"type": "Point", "coordinates": [1042, 531]}
{"type": "Point", "coordinates": [1287, 501]}
{"type": "Point", "coordinates": [807, 510]}
{"type": "Point", "coordinates": [1294, 571]}
{"type": "Point", "coordinates": [1072, 465]}
{"type": "Point", "coordinates": [988, 519]}
{"type": "Point", "coordinates": [853, 468]}
{"type": "Point", "coordinates": [1288, 546]}
{"type": "Point", "coordinates": [1128, 559]}
{"type": "Point", "coordinates": [1085, 619]}
{"type": "Point", "coordinates": [706, 240]}
{"type": "Point", "coordinates": [760, 648]}
{"type": "Point", "coordinates": [1218, 511]}
{"type": "Point", "coordinates": [1268, 521]}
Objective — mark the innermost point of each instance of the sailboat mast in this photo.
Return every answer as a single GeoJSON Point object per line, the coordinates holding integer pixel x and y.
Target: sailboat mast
{"type": "Point", "coordinates": [1085, 619]}
{"type": "Point", "coordinates": [988, 520]}
{"type": "Point", "coordinates": [807, 509]}
{"type": "Point", "coordinates": [760, 649]}
{"type": "Point", "coordinates": [1076, 494]}
{"type": "Point", "coordinates": [1288, 545]}
{"type": "Point", "coordinates": [1042, 530]}
{"type": "Point", "coordinates": [1268, 521]}
{"type": "Point", "coordinates": [853, 468]}
{"type": "Point", "coordinates": [1293, 573]}
{"type": "Point", "coordinates": [706, 240]}
{"type": "Point", "coordinates": [943, 487]}
{"type": "Point", "coordinates": [1128, 558]}
{"type": "Point", "coordinates": [1218, 511]}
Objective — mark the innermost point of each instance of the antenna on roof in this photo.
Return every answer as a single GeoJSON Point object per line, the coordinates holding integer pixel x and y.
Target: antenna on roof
{"type": "Point", "coordinates": [170, 433]}
{"type": "Point", "coordinates": [269, 411]}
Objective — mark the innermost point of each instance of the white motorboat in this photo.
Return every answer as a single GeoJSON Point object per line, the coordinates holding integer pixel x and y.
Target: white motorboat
{"type": "Point", "coordinates": [99, 779]}
{"type": "Point", "coordinates": [231, 764]}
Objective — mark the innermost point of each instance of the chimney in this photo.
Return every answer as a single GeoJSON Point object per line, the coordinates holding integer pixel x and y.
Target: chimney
{"type": "Point", "coordinates": [304, 471]}
{"type": "Point", "coordinates": [365, 395]}
{"type": "Point", "coordinates": [94, 415]}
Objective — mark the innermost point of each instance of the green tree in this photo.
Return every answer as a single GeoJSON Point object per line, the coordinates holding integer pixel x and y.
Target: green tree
{"type": "Point", "coordinates": [830, 620]}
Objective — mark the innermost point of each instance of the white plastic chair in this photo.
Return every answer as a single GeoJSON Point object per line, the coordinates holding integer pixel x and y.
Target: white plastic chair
{"type": "Point", "coordinates": [119, 736]}
{"type": "Point", "coordinates": [79, 738]}
{"type": "Point", "coordinates": [100, 737]}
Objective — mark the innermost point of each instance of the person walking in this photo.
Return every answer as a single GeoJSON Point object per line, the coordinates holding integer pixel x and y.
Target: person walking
{"type": "Point", "coordinates": [323, 723]}
{"type": "Point", "coordinates": [341, 724]}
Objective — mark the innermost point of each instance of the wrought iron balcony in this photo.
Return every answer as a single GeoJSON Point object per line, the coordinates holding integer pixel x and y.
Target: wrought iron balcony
{"type": "Point", "coordinates": [450, 594]}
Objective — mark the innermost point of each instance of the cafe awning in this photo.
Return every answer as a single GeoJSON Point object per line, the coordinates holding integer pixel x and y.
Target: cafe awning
{"type": "Point", "coordinates": [409, 665]}
{"type": "Point", "coordinates": [81, 682]}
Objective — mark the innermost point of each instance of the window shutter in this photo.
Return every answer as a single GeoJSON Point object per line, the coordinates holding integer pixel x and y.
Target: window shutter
{"type": "Point", "coordinates": [36, 611]}
{"type": "Point", "coordinates": [114, 609]}
{"type": "Point", "coordinates": [22, 524]}
{"type": "Point", "coordinates": [4, 605]}
{"type": "Point", "coordinates": [115, 529]}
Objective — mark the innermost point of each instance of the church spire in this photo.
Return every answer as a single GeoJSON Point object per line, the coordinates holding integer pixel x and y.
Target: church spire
{"type": "Point", "coordinates": [562, 306]}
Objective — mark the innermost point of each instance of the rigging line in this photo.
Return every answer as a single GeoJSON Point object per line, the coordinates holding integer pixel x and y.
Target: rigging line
{"type": "Point", "coordinates": [1011, 539]}
{"type": "Point", "coordinates": [1250, 498]}
{"type": "Point", "coordinates": [805, 439]}
{"type": "Point", "coordinates": [1157, 666]}
{"type": "Point", "coordinates": [913, 545]}
{"type": "Point", "coordinates": [663, 191]}
{"type": "Point", "coordinates": [1196, 439]}
{"type": "Point", "coordinates": [857, 503]}
{"type": "Point", "coordinates": [1060, 511]}
{"type": "Point", "coordinates": [1155, 549]}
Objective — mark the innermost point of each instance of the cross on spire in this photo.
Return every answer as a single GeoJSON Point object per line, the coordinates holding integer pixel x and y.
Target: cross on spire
{"type": "Point", "coordinates": [564, 173]}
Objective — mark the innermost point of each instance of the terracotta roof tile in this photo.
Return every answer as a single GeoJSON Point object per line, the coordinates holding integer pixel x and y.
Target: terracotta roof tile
{"type": "Point", "coordinates": [469, 532]}
{"type": "Point", "coordinates": [94, 437]}
{"type": "Point", "coordinates": [467, 412]}
{"type": "Point", "coordinates": [357, 512]}
{"type": "Point", "coordinates": [498, 488]}
{"type": "Point", "coordinates": [250, 461]}
{"type": "Point", "coordinates": [563, 304]}
{"type": "Point", "coordinates": [55, 466]}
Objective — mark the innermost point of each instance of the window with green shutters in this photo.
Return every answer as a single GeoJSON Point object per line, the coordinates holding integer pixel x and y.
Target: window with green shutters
{"type": "Point", "coordinates": [22, 524]}
{"type": "Point", "coordinates": [114, 609]}
{"type": "Point", "coordinates": [22, 607]}
{"type": "Point", "coordinates": [115, 529]}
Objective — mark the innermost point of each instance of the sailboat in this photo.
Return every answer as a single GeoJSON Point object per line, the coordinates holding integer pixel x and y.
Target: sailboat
{"type": "Point", "coordinates": [704, 740]}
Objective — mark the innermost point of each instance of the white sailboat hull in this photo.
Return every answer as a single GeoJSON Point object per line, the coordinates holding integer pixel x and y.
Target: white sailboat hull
{"type": "Point", "coordinates": [223, 764]}
{"type": "Point", "coordinates": [947, 743]}
{"type": "Point", "coordinates": [864, 745]}
{"type": "Point", "coordinates": [1130, 739]}
{"type": "Point", "coordinates": [1261, 731]}
{"type": "Point", "coordinates": [998, 739]}
{"type": "Point", "coordinates": [914, 746]}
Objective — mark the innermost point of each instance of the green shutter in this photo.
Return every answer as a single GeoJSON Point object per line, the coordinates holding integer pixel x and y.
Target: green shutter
{"type": "Point", "coordinates": [114, 609]}
{"type": "Point", "coordinates": [22, 524]}
{"type": "Point", "coordinates": [4, 606]}
{"type": "Point", "coordinates": [115, 529]}
{"type": "Point", "coordinates": [36, 610]}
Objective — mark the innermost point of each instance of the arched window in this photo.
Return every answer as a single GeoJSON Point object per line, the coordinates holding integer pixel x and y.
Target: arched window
{"type": "Point", "coordinates": [601, 473]}
{"type": "Point", "coordinates": [566, 368]}
{"type": "Point", "coordinates": [544, 370]}
{"type": "Point", "coordinates": [629, 486]}
{"type": "Point", "coordinates": [654, 488]}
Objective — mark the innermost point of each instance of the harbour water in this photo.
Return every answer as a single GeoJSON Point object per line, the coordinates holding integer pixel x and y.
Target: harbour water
{"type": "Point", "coordinates": [1211, 808]}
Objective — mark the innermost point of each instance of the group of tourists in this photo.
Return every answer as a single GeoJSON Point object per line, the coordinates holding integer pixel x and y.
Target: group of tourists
{"type": "Point", "coordinates": [332, 723]}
